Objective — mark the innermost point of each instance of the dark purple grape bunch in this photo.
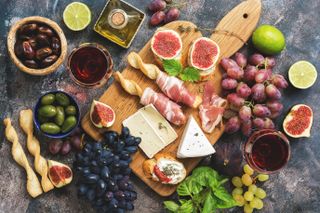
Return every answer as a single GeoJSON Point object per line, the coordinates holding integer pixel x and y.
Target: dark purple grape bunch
{"type": "Point", "coordinates": [159, 16]}
{"type": "Point", "coordinates": [103, 172]}
{"type": "Point", "coordinates": [253, 93]}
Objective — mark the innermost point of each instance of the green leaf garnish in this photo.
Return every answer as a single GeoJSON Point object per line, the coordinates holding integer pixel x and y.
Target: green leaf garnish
{"type": "Point", "coordinates": [172, 67]}
{"type": "Point", "coordinates": [190, 74]}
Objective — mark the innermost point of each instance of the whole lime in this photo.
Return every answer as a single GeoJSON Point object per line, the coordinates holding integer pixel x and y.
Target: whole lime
{"type": "Point", "coordinates": [268, 39]}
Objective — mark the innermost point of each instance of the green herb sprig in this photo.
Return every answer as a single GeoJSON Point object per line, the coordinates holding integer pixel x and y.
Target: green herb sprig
{"type": "Point", "coordinates": [203, 192]}
{"type": "Point", "coordinates": [174, 68]}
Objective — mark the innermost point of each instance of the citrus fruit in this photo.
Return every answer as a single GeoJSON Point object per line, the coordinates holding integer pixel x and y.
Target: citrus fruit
{"type": "Point", "coordinates": [302, 74]}
{"type": "Point", "coordinates": [77, 16]}
{"type": "Point", "coordinates": [268, 40]}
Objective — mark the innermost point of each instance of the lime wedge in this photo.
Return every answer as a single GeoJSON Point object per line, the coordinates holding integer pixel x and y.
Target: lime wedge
{"type": "Point", "coordinates": [302, 74]}
{"type": "Point", "coordinates": [77, 16]}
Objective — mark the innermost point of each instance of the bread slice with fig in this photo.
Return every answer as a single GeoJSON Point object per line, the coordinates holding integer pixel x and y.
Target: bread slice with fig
{"type": "Point", "coordinates": [203, 55]}
{"type": "Point", "coordinates": [164, 168]}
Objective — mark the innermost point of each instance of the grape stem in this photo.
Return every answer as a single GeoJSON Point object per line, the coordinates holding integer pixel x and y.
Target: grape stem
{"type": "Point", "coordinates": [248, 103]}
{"type": "Point", "coordinates": [225, 32]}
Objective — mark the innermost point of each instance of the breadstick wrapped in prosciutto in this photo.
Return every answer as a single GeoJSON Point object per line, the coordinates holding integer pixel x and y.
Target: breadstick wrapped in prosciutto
{"type": "Point", "coordinates": [170, 110]}
{"type": "Point", "coordinates": [170, 85]}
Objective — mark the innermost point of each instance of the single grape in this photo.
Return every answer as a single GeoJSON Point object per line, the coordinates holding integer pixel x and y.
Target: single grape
{"type": "Point", "coordinates": [273, 92]}
{"type": "Point", "coordinates": [261, 111]}
{"type": "Point", "coordinates": [261, 76]}
{"type": "Point", "coordinates": [241, 59]}
{"type": "Point", "coordinates": [66, 147]}
{"type": "Point", "coordinates": [270, 62]}
{"type": "Point", "coordinates": [248, 170]}
{"type": "Point", "coordinates": [274, 115]}
{"type": "Point", "coordinates": [260, 193]}
{"type": "Point", "coordinates": [269, 73]}
{"type": "Point", "coordinates": [279, 81]}
{"type": "Point", "coordinates": [248, 196]}
{"type": "Point", "coordinates": [268, 124]}
{"type": "Point", "coordinates": [246, 179]}
{"type": "Point", "coordinates": [232, 125]}
{"type": "Point", "coordinates": [239, 200]}
{"type": "Point", "coordinates": [237, 191]}
{"type": "Point", "coordinates": [252, 188]}
{"type": "Point", "coordinates": [157, 18]}
{"type": "Point", "coordinates": [250, 73]}
{"type": "Point", "coordinates": [256, 203]}
{"type": "Point", "coordinates": [258, 123]}
{"type": "Point", "coordinates": [235, 100]}
{"type": "Point", "coordinates": [274, 106]}
{"type": "Point", "coordinates": [246, 128]}
{"type": "Point", "coordinates": [234, 108]}
{"type": "Point", "coordinates": [236, 181]}
{"type": "Point", "coordinates": [262, 177]}
{"type": "Point", "coordinates": [235, 73]}
{"type": "Point", "coordinates": [228, 63]}
{"type": "Point", "coordinates": [55, 146]}
{"type": "Point", "coordinates": [245, 113]}
{"type": "Point", "coordinates": [256, 59]}
{"type": "Point", "coordinates": [76, 142]}
{"type": "Point", "coordinates": [157, 5]}
{"type": "Point", "coordinates": [247, 208]}
{"type": "Point", "coordinates": [229, 83]}
{"type": "Point", "coordinates": [172, 15]}
{"type": "Point", "coordinates": [243, 90]}
{"type": "Point", "coordinates": [228, 113]}
{"type": "Point", "coordinates": [258, 92]}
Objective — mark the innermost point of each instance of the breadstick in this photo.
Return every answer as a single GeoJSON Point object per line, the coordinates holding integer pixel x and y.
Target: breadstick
{"type": "Point", "coordinates": [33, 185]}
{"type": "Point", "coordinates": [150, 70]}
{"type": "Point", "coordinates": [128, 85]}
{"type": "Point", "coordinates": [33, 145]}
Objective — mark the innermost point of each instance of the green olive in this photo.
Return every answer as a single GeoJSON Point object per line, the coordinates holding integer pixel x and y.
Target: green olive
{"type": "Point", "coordinates": [48, 111]}
{"type": "Point", "coordinates": [47, 99]}
{"type": "Point", "coordinates": [42, 119]}
{"type": "Point", "coordinates": [59, 118]}
{"type": "Point", "coordinates": [71, 110]}
{"type": "Point", "coordinates": [62, 99]}
{"type": "Point", "coordinates": [50, 128]}
{"type": "Point", "coordinates": [68, 124]}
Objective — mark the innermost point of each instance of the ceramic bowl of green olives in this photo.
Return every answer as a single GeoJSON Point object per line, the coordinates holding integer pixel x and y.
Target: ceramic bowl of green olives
{"type": "Point", "coordinates": [56, 114]}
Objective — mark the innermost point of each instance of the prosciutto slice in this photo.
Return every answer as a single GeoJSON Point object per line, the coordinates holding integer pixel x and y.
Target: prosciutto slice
{"type": "Point", "coordinates": [175, 90]}
{"type": "Point", "coordinates": [212, 108]}
{"type": "Point", "coordinates": [170, 110]}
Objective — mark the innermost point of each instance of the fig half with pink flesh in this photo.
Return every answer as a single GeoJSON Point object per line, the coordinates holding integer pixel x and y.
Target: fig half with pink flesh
{"type": "Point", "coordinates": [101, 115]}
{"type": "Point", "coordinates": [59, 173]}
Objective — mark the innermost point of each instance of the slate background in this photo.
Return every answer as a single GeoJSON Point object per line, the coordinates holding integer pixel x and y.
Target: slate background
{"type": "Point", "coordinates": [295, 189]}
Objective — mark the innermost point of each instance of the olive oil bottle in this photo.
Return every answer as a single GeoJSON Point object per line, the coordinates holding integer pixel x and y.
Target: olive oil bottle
{"type": "Point", "coordinates": [119, 22]}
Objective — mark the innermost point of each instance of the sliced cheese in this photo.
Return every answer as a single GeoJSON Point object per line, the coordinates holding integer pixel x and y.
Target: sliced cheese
{"type": "Point", "coordinates": [194, 143]}
{"type": "Point", "coordinates": [153, 129]}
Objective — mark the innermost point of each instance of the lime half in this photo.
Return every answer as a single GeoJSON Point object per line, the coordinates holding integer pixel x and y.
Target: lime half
{"type": "Point", "coordinates": [302, 74]}
{"type": "Point", "coordinates": [77, 16]}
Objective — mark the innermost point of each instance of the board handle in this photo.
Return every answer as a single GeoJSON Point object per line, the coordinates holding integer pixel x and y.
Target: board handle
{"type": "Point", "coordinates": [129, 86]}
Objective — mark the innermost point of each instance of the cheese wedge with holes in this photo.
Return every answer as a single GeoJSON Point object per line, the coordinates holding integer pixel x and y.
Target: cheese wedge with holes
{"type": "Point", "coordinates": [153, 129]}
{"type": "Point", "coordinates": [194, 143]}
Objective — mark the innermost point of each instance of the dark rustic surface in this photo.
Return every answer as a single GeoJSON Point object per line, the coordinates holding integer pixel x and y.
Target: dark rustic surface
{"type": "Point", "coordinates": [295, 189]}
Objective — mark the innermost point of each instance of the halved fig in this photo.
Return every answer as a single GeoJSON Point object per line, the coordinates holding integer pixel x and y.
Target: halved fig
{"type": "Point", "coordinates": [298, 122]}
{"type": "Point", "coordinates": [166, 44]}
{"type": "Point", "coordinates": [101, 115]}
{"type": "Point", "coordinates": [59, 173]}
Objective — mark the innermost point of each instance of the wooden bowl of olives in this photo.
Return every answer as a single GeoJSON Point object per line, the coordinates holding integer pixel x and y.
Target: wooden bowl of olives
{"type": "Point", "coordinates": [37, 45]}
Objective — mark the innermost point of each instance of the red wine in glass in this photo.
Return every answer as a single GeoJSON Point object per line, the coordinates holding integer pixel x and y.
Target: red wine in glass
{"type": "Point", "coordinates": [267, 151]}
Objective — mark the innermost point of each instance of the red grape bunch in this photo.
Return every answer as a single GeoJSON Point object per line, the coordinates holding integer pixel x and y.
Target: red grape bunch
{"type": "Point", "coordinates": [159, 15]}
{"type": "Point", "coordinates": [253, 92]}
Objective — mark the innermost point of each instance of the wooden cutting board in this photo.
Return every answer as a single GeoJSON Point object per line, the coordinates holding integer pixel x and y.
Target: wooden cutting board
{"type": "Point", "coordinates": [241, 21]}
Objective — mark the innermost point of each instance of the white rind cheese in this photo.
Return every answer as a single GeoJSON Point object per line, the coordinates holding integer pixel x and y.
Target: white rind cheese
{"type": "Point", "coordinates": [194, 143]}
{"type": "Point", "coordinates": [153, 129]}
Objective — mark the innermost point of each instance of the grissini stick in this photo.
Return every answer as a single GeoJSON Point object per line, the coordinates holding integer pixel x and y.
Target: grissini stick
{"type": "Point", "coordinates": [169, 85]}
{"type": "Point", "coordinates": [33, 184]}
{"type": "Point", "coordinates": [170, 110]}
{"type": "Point", "coordinates": [33, 145]}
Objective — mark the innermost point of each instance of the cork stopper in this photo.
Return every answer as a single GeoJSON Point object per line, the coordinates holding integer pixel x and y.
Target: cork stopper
{"type": "Point", "coordinates": [117, 18]}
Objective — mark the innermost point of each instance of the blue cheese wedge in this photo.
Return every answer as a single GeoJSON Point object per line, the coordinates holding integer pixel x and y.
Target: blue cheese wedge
{"type": "Point", "coordinates": [153, 129]}
{"type": "Point", "coordinates": [194, 143]}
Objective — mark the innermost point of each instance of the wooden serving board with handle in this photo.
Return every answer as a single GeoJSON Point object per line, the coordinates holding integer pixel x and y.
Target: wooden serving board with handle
{"type": "Point", "coordinates": [241, 21]}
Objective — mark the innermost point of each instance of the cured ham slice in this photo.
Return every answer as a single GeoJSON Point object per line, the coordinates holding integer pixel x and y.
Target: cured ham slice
{"type": "Point", "coordinates": [170, 110]}
{"type": "Point", "coordinates": [212, 108]}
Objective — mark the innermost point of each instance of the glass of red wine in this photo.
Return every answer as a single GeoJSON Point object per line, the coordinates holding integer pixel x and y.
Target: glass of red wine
{"type": "Point", "coordinates": [90, 65]}
{"type": "Point", "coordinates": [267, 151]}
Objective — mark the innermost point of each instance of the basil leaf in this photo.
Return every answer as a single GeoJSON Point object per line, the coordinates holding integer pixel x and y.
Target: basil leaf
{"type": "Point", "coordinates": [209, 204]}
{"type": "Point", "coordinates": [225, 205]}
{"type": "Point", "coordinates": [222, 194]}
{"type": "Point", "coordinates": [187, 207]}
{"type": "Point", "coordinates": [172, 67]}
{"type": "Point", "coordinates": [194, 186]}
{"type": "Point", "coordinates": [171, 206]}
{"type": "Point", "coordinates": [183, 189]}
{"type": "Point", "coordinates": [190, 74]}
